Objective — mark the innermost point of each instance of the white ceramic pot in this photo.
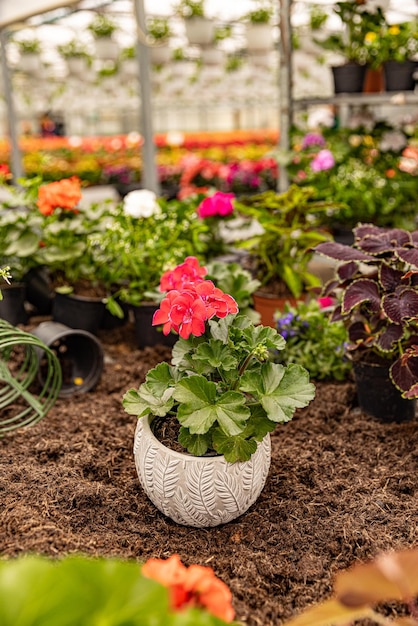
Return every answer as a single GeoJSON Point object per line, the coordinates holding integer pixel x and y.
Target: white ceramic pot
{"type": "Point", "coordinates": [160, 54]}
{"type": "Point", "coordinates": [77, 66]}
{"type": "Point", "coordinates": [199, 31]}
{"type": "Point", "coordinates": [212, 56]}
{"type": "Point", "coordinates": [259, 36]}
{"type": "Point", "coordinates": [198, 491]}
{"type": "Point", "coordinates": [106, 49]}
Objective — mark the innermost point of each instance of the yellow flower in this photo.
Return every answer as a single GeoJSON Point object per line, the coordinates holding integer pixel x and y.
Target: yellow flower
{"type": "Point", "coordinates": [368, 140]}
{"type": "Point", "coordinates": [394, 30]}
{"type": "Point", "coordinates": [370, 37]}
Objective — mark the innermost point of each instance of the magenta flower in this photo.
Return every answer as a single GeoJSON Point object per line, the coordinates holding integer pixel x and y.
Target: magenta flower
{"type": "Point", "coordinates": [312, 139]}
{"type": "Point", "coordinates": [324, 160]}
{"type": "Point", "coordinates": [218, 204]}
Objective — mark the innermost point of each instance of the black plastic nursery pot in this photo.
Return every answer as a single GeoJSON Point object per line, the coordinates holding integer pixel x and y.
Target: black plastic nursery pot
{"type": "Point", "coordinates": [79, 352]}
{"type": "Point", "coordinates": [12, 306]}
{"type": "Point", "coordinates": [78, 312]}
{"type": "Point", "coordinates": [147, 334]}
{"type": "Point", "coordinates": [399, 76]}
{"type": "Point", "coordinates": [378, 396]}
{"type": "Point", "coordinates": [348, 78]}
{"type": "Point", "coordinates": [38, 290]}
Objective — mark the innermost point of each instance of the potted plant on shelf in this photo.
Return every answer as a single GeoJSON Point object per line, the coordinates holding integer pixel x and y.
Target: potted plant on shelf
{"type": "Point", "coordinates": [397, 50]}
{"type": "Point", "coordinates": [351, 43]}
{"type": "Point", "coordinates": [376, 287]}
{"type": "Point", "coordinates": [259, 34]}
{"type": "Point", "coordinates": [221, 395]}
{"type": "Point", "coordinates": [102, 28]}
{"type": "Point", "coordinates": [199, 28]}
{"type": "Point", "coordinates": [279, 255]}
{"type": "Point", "coordinates": [159, 31]}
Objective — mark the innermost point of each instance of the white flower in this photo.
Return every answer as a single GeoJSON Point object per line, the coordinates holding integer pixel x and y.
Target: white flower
{"type": "Point", "coordinates": [141, 203]}
{"type": "Point", "coordinates": [393, 140]}
{"type": "Point", "coordinates": [321, 117]}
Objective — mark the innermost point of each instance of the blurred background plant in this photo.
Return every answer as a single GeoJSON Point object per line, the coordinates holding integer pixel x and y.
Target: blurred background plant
{"type": "Point", "coordinates": [312, 341]}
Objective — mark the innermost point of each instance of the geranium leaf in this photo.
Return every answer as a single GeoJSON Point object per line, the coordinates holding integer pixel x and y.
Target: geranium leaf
{"type": "Point", "coordinates": [280, 390]}
{"type": "Point", "coordinates": [264, 336]}
{"type": "Point", "coordinates": [401, 305]}
{"type": "Point", "coordinates": [362, 290]}
{"type": "Point", "coordinates": [195, 444]}
{"type": "Point", "coordinates": [160, 378]}
{"type": "Point", "coordinates": [216, 354]}
{"type": "Point", "coordinates": [235, 448]}
{"type": "Point", "coordinates": [200, 408]}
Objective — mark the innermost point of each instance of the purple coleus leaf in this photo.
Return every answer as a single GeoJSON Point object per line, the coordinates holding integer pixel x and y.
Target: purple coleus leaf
{"type": "Point", "coordinates": [401, 305]}
{"type": "Point", "coordinates": [341, 252]}
{"type": "Point", "coordinates": [388, 336]}
{"type": "Point", "coordinates": [376, 240]}
{"type": "Point", "coordinates": [362, 290]}
{"type": "Point", "coordinates": [346, 271]}
{"type": "Point", "coordinates": [390, 278]}
{"type": "Point", "coordinates": [404, 373]}
{"type": "Point", "coordinates": [408, 255]}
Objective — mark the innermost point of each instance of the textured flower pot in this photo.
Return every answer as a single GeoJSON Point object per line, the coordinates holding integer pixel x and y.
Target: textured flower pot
{"type": "Point", "coordinates": [348, 78]}
{"type": "Point", "coordinates": [80, 355]}
{"type": "Point", "coordinates": [378, 396]}
{"type": "Point", "coordinates": [78, 312]}
{"type": "Point", "coordinates": [198, 491]}
{"type": "Point", "coordinates": [12, 306]}
{"type": "Point", "coordinates": [399, 76]}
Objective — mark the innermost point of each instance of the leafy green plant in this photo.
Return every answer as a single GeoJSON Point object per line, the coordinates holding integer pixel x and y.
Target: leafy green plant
{"type": "Point", "coordinates": [102, 26]}
{"type": "Point", "coordinates": [191, 8]}
{"type": "Point", "coordinates": [360, 590]}
{"type": "Point", "coordinates": [376, 287]}
{"type": "Point", "coordinates": [261, 15]}
{"type": "Point", "coordinates": [85, 591]}
{"type": "Point", "coordinates": [312, 341]}
{"type": "Point", "coordinates": [73, 49]}
{"type": "Point", "coordinates": [358, 23]}
{"type": "Point", "coordinates": [159, 28]}
{"type": "Point", "coordinates": [232, 278]}
{"type": "Point", "coordinates": [282, 252]}
{"type": "Point", "coordinates": [29, 46]}
{"type": "Point", "coordinates": [395, 42]}
{"type": "Point", "coordinates": [221, 387]}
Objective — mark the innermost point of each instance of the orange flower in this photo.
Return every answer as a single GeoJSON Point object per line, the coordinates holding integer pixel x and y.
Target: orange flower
{"type": "Point", "coordinates": [64, 194]}
{"type": "Point", "coordinates": [191, 586]}
{"type": "Point", "coordinates": [390, 173]}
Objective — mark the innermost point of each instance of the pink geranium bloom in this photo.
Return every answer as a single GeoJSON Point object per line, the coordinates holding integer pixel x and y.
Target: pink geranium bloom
{"type": "Point", "coordinates": [218, 204]}
{"type": "Point", "coordinates": [188, 314]}
{"type": "Point", "coordinates": [216, 301]}
{"type": "Point", "coordinates": [324, 160]}
{"type": "Point", "coordinates": [184, 274]}
{"type": "Point", "coordinates": [162, 315]}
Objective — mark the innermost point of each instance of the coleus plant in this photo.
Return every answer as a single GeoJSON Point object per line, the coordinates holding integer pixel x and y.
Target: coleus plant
{"type": "Point", "coordinates": [221, 386]}
{"type": "Point", "coordinates": [376, 285]}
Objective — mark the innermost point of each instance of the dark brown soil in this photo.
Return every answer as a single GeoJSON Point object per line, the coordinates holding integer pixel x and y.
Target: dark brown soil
{"type": "Point", "coordinates": [341, 488]}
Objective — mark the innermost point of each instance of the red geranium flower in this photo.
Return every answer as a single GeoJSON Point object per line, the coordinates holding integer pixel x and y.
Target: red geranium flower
{"type": "Point", "coordinates": [191, 586]}
{"type": "Point", "coordinates": [184, 274]}
{"type": "Point", "coordinates": [216, 301]}
{"type": "Point", "coordinates": [64, 194]}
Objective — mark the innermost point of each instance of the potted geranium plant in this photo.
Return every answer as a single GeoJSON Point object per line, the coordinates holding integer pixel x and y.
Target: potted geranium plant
{"type": "Point", "coordinates": [221, 395]}
{"type": "Point", "coordinates": [280, 254]}
{"type": "Point", "coordinates": [376, 287]}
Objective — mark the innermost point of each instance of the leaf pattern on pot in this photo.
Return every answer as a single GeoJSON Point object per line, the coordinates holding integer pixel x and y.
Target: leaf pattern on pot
{"type": "Point", "coordinates": [165, 476]}
{"type": "Point", "coordinates": [229, 488]}
{"type": "Point", "coordinates": [200, 486]}
{"type": "Point", "coordinates": [186, 512]}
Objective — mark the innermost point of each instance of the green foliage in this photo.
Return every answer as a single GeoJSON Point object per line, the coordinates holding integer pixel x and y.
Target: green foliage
{"type": "Point", "coordinates": [102, 26]}
{"type": "Point", "coordinates": [35, 591]}
{"type": "Point", "coordinates": [238, 282]}
{"type": "Point", "coordinates": [223, 388]}
{"type": "Point", "coordinates": [283, 250]}
{"type": "Point", "coordinates": [191, 8]}
{"type": "Point", "coordinates": [29, 46]}
{"type": "Point", "coordinates": [73, 49]}
{"type": "Point", "coordinates": [396, 42]}
{"type": "Point", "coordinates": [260, 15]}
{"type": "Point", "coordinates": [313, 342]}
{"type": "Point", "coordinates": [159, 28]}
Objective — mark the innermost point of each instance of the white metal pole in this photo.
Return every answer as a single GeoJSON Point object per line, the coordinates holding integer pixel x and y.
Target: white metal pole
{"type": "Point", "coordinates": [16, 160]}
{"type": "Point", "coordinates": [149, 175]}
{"type": "Point", "coordinates": [285, 87]}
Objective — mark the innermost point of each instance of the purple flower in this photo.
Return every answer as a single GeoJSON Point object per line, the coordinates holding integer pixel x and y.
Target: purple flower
{"type": "Point", "coordinates": [312, 139]}
{"type": "Point", "coordinates": [324, 160]}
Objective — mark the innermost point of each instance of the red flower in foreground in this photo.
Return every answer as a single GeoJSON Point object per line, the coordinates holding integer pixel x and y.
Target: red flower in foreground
{"type": "Point", "coordinates": [194, 586]}
{"type": "Point", "coordinates": [188, 272]}
{"type": "Point", "coordinates": [216, 301]}
{"type": "Point", "coordinates": [64, 194]}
